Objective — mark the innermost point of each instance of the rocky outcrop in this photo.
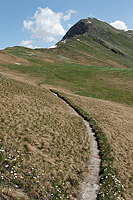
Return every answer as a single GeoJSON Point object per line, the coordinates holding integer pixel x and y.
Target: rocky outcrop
{"type": "Point", "coordinates": [78, 29]}
{"type": "Point", "coordinates": [104, 44]}
{"type": "Point", "coordinates": [130, 33]}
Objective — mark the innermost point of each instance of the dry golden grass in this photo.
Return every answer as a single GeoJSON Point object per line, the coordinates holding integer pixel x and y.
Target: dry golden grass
{"type": "Point", "coordinates": [116, 120]}
{"type": "Point", "coordinates": [13, 194]}
{"type": "Point", "coordinates": [44, 145]}
{"type": "Point", "coordinates": [17, 76]}
{"type": "Point", "coordinates": [6, 58]}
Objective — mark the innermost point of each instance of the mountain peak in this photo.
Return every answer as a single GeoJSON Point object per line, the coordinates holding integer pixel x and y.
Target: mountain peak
{"type": "Point", "coordinates": [102, 33]}
{"type": "Point", "coordinates": [78, 29]}
{"type": "Point", "coordinates": [90, 26]}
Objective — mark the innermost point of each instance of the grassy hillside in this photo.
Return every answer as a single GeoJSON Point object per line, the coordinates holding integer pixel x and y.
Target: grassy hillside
{"type": "Point", "coordinates": [100, 36]}
{"type": "Point", "coordinates": [44, 146]}
{"type": "Point", "coordinates": [98, 63]}
{"type": "Point", "coordinates": [96, 81]}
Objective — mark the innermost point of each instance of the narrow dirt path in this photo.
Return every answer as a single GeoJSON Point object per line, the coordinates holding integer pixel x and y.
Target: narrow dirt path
{"type": "Point", "coordinates": [91, 184]}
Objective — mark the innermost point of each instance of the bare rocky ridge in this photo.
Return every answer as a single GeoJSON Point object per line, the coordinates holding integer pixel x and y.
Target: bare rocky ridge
{"type": "Point", "coordinates": [79, 28]}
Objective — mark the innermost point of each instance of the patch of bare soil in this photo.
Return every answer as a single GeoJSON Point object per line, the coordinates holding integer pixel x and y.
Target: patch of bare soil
{"type": "Point", "coordinates": [16, 76]}
{"type": "Point", "coordinates": [116, 120]}
{"type": "Point", "coordinates": [6, 58]}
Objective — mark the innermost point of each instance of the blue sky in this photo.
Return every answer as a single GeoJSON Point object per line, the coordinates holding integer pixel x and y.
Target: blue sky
{"type": "Point", "coordinates": [42, 23]}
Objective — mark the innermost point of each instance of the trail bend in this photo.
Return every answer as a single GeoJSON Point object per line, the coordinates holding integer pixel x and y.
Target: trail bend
{"type": "Point", "coordinates": [91, 184]}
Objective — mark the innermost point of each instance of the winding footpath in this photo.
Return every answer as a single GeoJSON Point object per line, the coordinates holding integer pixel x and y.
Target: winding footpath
{"type": "Point", "coordinates": [91, 184]}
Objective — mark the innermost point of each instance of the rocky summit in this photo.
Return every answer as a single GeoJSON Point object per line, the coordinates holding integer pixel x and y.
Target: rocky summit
{"type": "Point", "coordinates": [102, 33]}
{"type": "Point", "coordinates": [94, 27]}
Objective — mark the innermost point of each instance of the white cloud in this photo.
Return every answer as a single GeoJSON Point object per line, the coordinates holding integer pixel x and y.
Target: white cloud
{"type": "Point", "coordinates": [37, 47]}
{"type": "Point", "coordinates": [69, 13]}
{"type": "Point", "coordinates": [52, 47]}
{"type": "Point", "coordinates": [45, 24]}
{"type": "Point", "coordinates": [119, 25]}
{"type": "Point", "coordinates": [28, 24]}
{"type": "Point", "coordinates": [49, 39]}
{"type": "Point", "coordinates": [27, 43]}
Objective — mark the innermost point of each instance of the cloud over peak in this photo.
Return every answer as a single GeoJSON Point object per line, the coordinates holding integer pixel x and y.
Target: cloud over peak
{"type": "Point", "coordinates": [46, 24]}
{"type": "Point", "coordinates": [69, 13]}
{"type": "Point", "coordinates": [119, 25]}
{"type": "Point", "coordinates": [27, 43]}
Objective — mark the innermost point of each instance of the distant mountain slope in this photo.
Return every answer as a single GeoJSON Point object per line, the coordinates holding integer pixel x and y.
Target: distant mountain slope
{"type": "Point", "coordinates": [89, 42]}
{"type": "Point", "coordinates": [95, 27]}
{"type": "Point", "coordinates": [99, 34]}
{"type": "Point", "coordinates": [96, 61]}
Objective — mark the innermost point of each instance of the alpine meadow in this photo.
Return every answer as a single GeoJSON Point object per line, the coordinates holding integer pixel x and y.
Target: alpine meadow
{"type": "Point", "coordinates": [46, 94]}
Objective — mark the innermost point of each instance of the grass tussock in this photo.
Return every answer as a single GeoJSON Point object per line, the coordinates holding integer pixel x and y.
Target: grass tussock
{"type": "Point", "coordinates": [44, 145]}
{"type": "Point", "coordinates": [110, 184]}
{"type": "Point", "coordinates": [11, 194]}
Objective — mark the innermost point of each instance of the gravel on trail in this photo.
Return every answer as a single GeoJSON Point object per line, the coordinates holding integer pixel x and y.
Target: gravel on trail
{"type": "Point", "coordinates": [91, 184]}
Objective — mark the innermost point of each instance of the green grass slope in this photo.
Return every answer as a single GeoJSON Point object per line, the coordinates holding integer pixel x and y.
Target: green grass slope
{"type": "Point", "coordinates": [100, 40]}
{"type": "Point", "coordinates": [93, 59]}
{"type": "Point", "coordinates": [101, 82]}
